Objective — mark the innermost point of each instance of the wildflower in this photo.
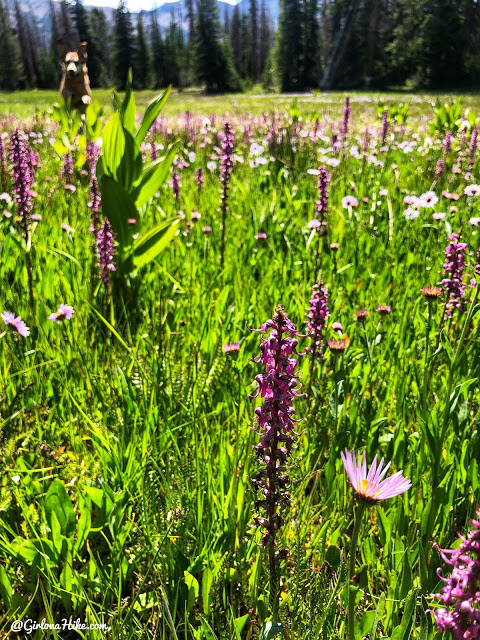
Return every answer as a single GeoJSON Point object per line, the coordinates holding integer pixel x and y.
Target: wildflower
{"type": "Point", "coordinates": [370, 487]}
{"type": "Point", "coordinates": [474, 221]}
{"type": "Point", "coordinates": [64, 312]}
{"type": "Point", "coordinates": [232, 347]}
{"type": "Point", "coordinates": [317, 314]}
{"type": "Point", "coordinates": [199, 178]}
{"type": "Point", "coordinates": [314, 224]}
{"type": "Point", "coordinates": [211, 165]}
{"type": "Point", "coordinates": [440, 167]}
{"type": "Point", "coordinates": [361, 315]}
{"type": "Point", "coordinates": [472, 148]}
{"type": "Point", "coordinates": [477, 263]}
{"type": "Point", "coordinates": [411, 213]}
{"type": "Point", "coordinates": [472, 190]}
{"type": "Point", "coordinates": [447, 143]}
{"type": "Point", "coordinates": [439, 215]}
{"type": "Point", "coordinates": [15, 323]}
{"type": "Point", "coordinates": [321, 206]}
{"type": "Point", "coordinates": [206, 229]}
{"type": "Point", "coordinates": [226, 168]}
{"type": "Point", "coordinates": [195, 215]}
{"type": "Point", "coordinates": [175, 183]}
{"type": "Point", "coordinates": [3, 162]}
{"type": "Point", "coordinates": [384, 126]}
{"type": "Point", "coordinates": [105, 251]}
{"type": "Point", "coordinates": [349, 201]}
{"type": "Point", "coordinates": [450, 196]}
{"type": "Point", "coordinates": [462, 588]}
{"type": "Point", "coordinates": [37, 217]}
{"type": "Point", "coordinates": [338, 346]}
{"type": "Point", "coordinates": [335, 246]}
{"type": "Point", "coordinates": [384, 309]}
{"type": "Point", "coordinates": [337, 326]}
{"type": "Point", "coordinates": [431, 293]}
{"type": "Point", "coordinates": [66, 227]}
{"type": "Point", "coordinates": [347, 110]}
{"type": "Point", "coordinates": [153, 152]}
{"type": "Point", "coordinates": [67, 170]}
{"type": "Point", "coordinates": [453, 266]}
{"type": "Point", "coordinates": [22, 177]}
{"type": "Point", "coordinates": [275, 424]}
{"type": "Point", "coordinates": [428, 199]}
{"type": "Point", "coordinates": [383, 192]}
{"type": "Point", "coordinates": [5, 197]}
{"type": "Point", "coordinates": [70, 187]}
{"type": "Point", "coordinates": [92, 152]}
{"type": "Point", "coordinates": [261, 235]}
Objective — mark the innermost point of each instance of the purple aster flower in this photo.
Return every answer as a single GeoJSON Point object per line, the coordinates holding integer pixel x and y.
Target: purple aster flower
{"type": "Point", "coordinates": [67, 170]}
{"type": "Point", "coordinates": [384, 126]}
{"type": "Point", "coordinates": [105, 251]}
{"type": "Point", "coordinates": [275, 425]}
{"type": "Point", "coordinates": [440, 167]}
{"type": "Point", "coordinates": [64, 312]}
{"type": "Point", "coordinates": [317, 318]}
{"type": "Point", "coordinates": [231, 347]}
{"type": "Point", "coordinates": [15, 323]}
{"type": "Point", "coordinates": [370, 486]}
{"type": "Point", "coordinates": [462, 588]}
{"type": "Point", "coordinates": [453, 266]}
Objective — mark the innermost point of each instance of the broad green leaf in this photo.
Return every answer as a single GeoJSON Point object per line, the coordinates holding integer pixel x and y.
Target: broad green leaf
{"type": "Point", "coordinates": [271, 629]}
{"type": "Point", "coordinates": [113, 145]}
{"type": "Point", "coordinates": [207, 580]}
{"type": "Point", "coordinates": [151, 114]}
{"type": "Point", "coordinates": [404, 630]}
{"type": "Point", "coordinates": [150, 245]}
{"type": "Point", "coordinates": [118, 208]}
{"type": "Point", "coordinates": [153, 177]}
{"type": "Point", "coordinates": [240, 624]}
{"type": "Point", "coordinates": [193, 589]}
{"type": "Point", "coordinates": [83, 528]}
{"type": "Point", "coordinates": [5, 586]}
{"type": "Point", "coordinates": [57, 501]}
{"type": "Point", "coordinates": [130, 167]}
{"type": "Point", "coordinates": [59, 147]}
{"type": "Point", "coordinates": [127, 109]}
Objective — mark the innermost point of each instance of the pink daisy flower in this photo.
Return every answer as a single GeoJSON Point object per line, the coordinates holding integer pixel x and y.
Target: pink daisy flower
{"type": "Point", "coordinates": [15, 323]}
{"type": "Point", "coordinates": [349, 201]}
{"type": "Point", "coordinates": [370, 485]}
{"type": "Point", "coordinates": [64, 312]}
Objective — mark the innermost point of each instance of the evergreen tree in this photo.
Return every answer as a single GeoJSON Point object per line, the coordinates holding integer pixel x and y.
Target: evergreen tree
{"type": "Point", "coordinates": [290, 46]}
{"type": "Point", "coordinates": [253, 45]}
{"type": "Point", "coordinates": [311, 58]}
{"type": "Point", "coordinates": [123, 54]}
{"type": "Point", "coordinates": [11, 64]}
{"type": "Point", "coordinates": [100, 43]}
{"type": "Point", "coordinates": [142, 68]}
{"type": "Point", "coordinates": [66, 27]}
{"type": "Point", "coordinates": [158, 54]}
{"type": "Point", "coordinates": [265, 40]}
{"type": "Point", "coordinates": [214, 63]}
{"type": "Point", "coordinates": [236, 40]}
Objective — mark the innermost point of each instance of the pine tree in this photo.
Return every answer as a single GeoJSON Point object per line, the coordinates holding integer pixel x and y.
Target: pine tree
{"type": "Point", "coordinates": [290, 46]}
{"type": "Point", "coordinates": [83, 28]}
{"type": "Point", "coordinates": [265, 40]}
{"type": "Point", "coordinates": [236, 40]}
{"type": "Point", "coordinates": [66, 27]}
{"type": "Point", "coordinates": [100, 42]}
{"type": "Point", "coordinates": [123, 54]}
{"type": "Point", "coordinates": [214, 60]}
{"type": "Point", "coordinates": [311, 59]}
{"type": "Point", "coordinates": [253, 52]}
{"type": "Point", "coordinates": [158, 54]}
{"type": "Point", "coordinates": [142, 68]}
{"type": "Point", "coordinates": [11, 65]}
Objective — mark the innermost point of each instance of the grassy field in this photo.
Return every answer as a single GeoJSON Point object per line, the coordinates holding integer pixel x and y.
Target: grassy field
{"type": "Point", "coordinates": [127, 457]}
{"type": "Point", "coordinates": [26, 103]}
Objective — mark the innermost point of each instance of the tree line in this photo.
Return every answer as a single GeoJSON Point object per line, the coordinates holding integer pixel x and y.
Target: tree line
{"type": "Point", "coordinates": [318, 44]}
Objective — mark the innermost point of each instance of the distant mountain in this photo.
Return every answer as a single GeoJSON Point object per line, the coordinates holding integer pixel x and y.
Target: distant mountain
{"type": "Point", "coordinates": [40, 11]}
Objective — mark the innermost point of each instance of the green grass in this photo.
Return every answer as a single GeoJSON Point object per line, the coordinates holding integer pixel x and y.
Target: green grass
{"type": "Point", "coordinates": [127, 458]}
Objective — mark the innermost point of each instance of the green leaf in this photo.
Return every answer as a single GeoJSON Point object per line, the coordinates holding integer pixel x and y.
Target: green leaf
{"type": "Point", "coordinates": [59, 147]}
{"type": "Point", "coordinates": [378, 613]}
{"type": "Point", "coordinates": [153, 177]}
{"type": "Point", "coordinates": [271, 629]}
{"type": "Point", "coordinates": [5, 586]}
{"type": "Point", "coordinates": [127, 110]}
{"type": "Point", "coordinates": [130, 167]}
{"type": "Point", "coordinates": [151, 114]}
{"type": "Point", "coordinates": [113, 145]}
{"type": "Point", "coordinates": [240, 624]}
{"type": "Point", "coordinates": [404, 630]}
{"type": "Point", "coordinates": [207, 580]}
{"type": "Point", "coordinates": [150, 245]}
{"type": "Point", "coordinates": [193, 589]}
{"type": "Point", "coordinates": [58, 502]}
{"type": "Point", "coordinates": [118, 208]}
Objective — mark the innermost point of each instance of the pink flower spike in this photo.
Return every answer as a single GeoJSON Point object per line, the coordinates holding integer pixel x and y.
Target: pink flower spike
{"type": "Point", "coordinates": [370, 486]}
{"type": "Point", "coordinates": [64, 312]}
{"type": "Point", "coordinates": [15, 323]}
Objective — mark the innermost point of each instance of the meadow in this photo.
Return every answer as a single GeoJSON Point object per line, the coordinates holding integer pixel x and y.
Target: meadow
{"type": "Point", "coordinates": [132, 434]}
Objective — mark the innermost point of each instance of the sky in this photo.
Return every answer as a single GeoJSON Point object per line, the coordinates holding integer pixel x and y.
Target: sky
{"type": "Point", "coordinates": [136, 5]}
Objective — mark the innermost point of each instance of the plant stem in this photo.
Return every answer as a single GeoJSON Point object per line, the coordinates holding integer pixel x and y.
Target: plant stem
{"type": "Point", "coordinates": [361, 506]}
